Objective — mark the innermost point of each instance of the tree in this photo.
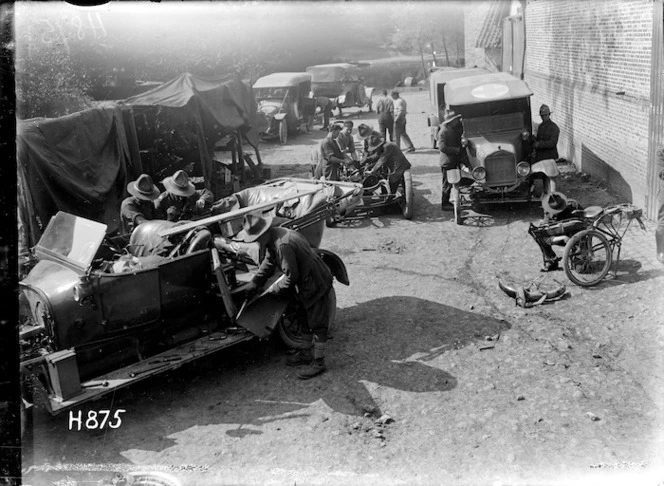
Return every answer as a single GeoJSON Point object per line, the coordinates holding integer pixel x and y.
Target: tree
{"type": "Point", "coordinates": [423, 26]}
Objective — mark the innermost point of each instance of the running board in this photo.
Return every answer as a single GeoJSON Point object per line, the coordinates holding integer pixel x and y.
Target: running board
{"type": "Point", "coordinates": [168, 360]}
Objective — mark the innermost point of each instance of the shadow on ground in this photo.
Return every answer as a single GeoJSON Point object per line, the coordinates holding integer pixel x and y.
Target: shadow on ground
{"type": "Point", "coordinates": [387, 341]}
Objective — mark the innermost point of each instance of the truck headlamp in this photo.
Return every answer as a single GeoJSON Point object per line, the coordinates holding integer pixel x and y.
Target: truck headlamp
{"type": "Point", "coordinates": [523, 169]}
{"type": "Point", "coordinates": [479, 173]}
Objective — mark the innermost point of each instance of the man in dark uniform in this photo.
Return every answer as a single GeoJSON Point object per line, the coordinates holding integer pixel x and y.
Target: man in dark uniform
{"type": "Point", "coordinates": [139, 207]}
{"type": "Point", "coordinates": [365, 132]}
{"type": "Point", "coordinates": [305, 276]}
{"type": "Point", "coordinates": [557, 208]}
{"type": "Point", "coordinates": [546, 140]}
{"type": "Point", "coordinates": [385, 112]}
{"type": "Point", "coordinates": [332, 158]}
{"type": "Point", "coordinates": [388, 160]}
{"type": "Point", "coordinates": [181, 200]}
{"type": "Point", "coordinates": [325, 105]}
{"type": "Point", "coordinates": [451, 153]}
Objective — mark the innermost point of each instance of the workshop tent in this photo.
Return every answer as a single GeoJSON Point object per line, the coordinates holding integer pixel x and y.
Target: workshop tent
{"type": "Point", "coordinates": [76, 163]}
{"type": "Point", "coordinates": [220, 103]}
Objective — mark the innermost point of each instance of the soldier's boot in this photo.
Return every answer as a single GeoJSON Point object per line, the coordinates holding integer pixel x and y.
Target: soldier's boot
{"type": "Point", "coordinates": [317, 366]}
{"type": "Point", "coordinates": [302, 356]}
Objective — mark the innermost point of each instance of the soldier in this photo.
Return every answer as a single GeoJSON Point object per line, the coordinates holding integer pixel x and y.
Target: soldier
{"type": "Point", "coordinates": [400, 112]}
{"type": "Point", "coordinates": [451, 153]}
{"type": "Point", "coordinates": [385, 112]}
{"type": "Point", "coordinates": [546, 140]}
{"type": "Point", "coordinates": [305, 277]}
{"type": "Point", "coordinates": [181, 200]}
{"type": "Point", "coordinates": [139, 207]}
{"type": "Point", "coordinates": [390, 162]}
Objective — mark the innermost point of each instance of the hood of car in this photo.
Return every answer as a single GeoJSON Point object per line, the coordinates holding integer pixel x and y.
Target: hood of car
{"type": "Point", "coordinates": [485, 145]}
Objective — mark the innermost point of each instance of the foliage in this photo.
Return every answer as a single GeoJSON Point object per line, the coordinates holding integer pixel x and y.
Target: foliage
{"type": "Point", "coordinates": [438, 27]}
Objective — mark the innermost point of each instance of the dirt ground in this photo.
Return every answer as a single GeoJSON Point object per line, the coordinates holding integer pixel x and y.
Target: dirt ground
{"type": "Point", "coordinates": [435, 376]}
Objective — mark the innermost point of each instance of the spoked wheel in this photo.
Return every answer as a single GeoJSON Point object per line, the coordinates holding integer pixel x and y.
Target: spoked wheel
{"type": "Point", "coordinates": [283, 132]}
{"type": "Point", "coordinates": [407, 200]}
{"type": "Point", "coordinates": [292, 325]}
{"type": "Point", "coordinates": [587, 258]}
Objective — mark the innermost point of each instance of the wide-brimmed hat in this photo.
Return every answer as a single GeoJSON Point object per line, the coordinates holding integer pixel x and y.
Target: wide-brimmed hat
{"type": "Point", "coordinates": [143, 188]}
{"type": "Point", "coordinates": [544, 110]}
{"type": "Point", "coordinates": [364, 130]}
{"type": "Point", "coordinates": [179, 184]}
{"type": "Point", "coordinates": [450, 116]}
{"type": "Point", "coordinates": [375, 142]}
{"type": "Point", "coordinates": [556, 201]}
{"type": "Point", "coordinates": [253, 227]}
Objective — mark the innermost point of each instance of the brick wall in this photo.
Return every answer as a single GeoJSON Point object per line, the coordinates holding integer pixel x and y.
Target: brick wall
{"type": "Point", "coordinates": [590, 62]}
{"type": "Point", "coordinates": [474, 14]}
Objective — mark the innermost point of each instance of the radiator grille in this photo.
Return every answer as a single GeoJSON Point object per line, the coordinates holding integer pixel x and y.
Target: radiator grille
{"type": "Point", "coordinates": [500, 169]}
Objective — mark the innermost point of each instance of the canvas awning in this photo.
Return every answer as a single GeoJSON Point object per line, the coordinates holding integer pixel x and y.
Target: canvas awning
{"type": "Point", "coordinates": [76, 163]}
{"type": "Point", "coordinates": [226, 99]}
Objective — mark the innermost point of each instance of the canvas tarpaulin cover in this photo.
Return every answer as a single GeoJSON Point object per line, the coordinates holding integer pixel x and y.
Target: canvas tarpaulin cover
{"type": "Point", "coordinates": [76, 163]}
{"type": "Point", "coordinates": [224, 99]}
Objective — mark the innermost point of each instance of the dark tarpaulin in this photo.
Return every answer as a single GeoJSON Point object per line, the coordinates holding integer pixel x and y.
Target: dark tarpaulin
{"type": "Point", "coordinates": [76, 163]}
{"type": "Point", "coordinates": [225, 99]}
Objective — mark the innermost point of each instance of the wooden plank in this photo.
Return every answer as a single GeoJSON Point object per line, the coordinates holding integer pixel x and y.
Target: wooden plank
{"type": "Point", "coordinates": [233, 214]}
{"type": "Point", "coordinates": [185, 353]}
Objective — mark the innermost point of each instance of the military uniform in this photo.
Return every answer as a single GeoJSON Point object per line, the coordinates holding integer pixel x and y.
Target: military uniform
{"type": "Point", "coordinates": [391, 162]}
{"type": "Point", "coordinates": [179, 208]}
{"type": "Point", "coordinates": [451, 154]}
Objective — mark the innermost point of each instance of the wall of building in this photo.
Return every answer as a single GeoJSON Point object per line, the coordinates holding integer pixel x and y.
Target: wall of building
{"type": "Point", "coordinates": [591, 63]}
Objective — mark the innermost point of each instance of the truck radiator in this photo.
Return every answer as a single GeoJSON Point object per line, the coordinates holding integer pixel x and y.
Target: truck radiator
{"type": "Point", "coordinates": [500, 169]}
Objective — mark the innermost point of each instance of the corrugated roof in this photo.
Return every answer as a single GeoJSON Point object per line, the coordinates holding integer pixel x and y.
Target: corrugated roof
{"type": "Point", "coordinates": [491, 34]}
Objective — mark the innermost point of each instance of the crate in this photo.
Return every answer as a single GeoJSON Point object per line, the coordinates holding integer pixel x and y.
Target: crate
{"type": "Point", "coordinates": [63, 371]}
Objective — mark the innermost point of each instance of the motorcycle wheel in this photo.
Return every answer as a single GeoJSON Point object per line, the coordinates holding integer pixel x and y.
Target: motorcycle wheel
{"type": "Point", "coordinates": [283, 132]}
{"type": "Point", "coordinates": [290, 327]}
{"type": "Point", "coordinates": [587, 258]}
{"type": "Point", "coordinates": [407, 204]}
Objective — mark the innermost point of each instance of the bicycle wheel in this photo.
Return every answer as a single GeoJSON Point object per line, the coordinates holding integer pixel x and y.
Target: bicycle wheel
{"type": "Point", "coordinates": [587, 258]}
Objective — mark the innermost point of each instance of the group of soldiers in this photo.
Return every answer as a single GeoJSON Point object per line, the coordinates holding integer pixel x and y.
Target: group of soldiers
{"type": "Point", "coordinates": [305, 276]}
{"type": "Point", "coordinates": [336, 156]}
{"type": "Point", "coordinates": [180, 200]}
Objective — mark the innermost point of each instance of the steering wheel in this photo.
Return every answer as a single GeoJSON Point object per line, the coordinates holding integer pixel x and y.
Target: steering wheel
{"type": "Point", "coordinates": [199, 241]}
{"type": "Point", "coordinates": [196, 239]}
